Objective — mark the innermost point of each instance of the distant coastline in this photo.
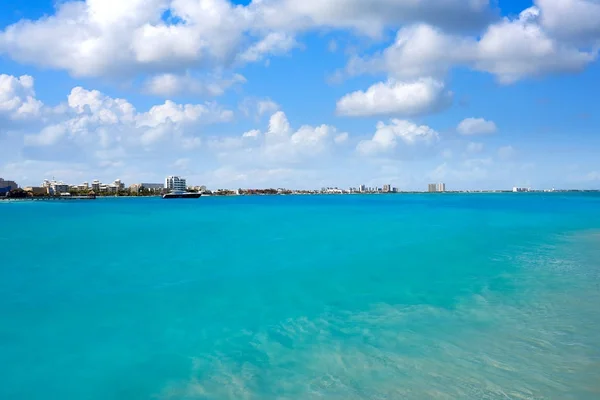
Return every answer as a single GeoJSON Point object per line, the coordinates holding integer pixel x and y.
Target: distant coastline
{"type": "Point", "coordinates": [292, 193]}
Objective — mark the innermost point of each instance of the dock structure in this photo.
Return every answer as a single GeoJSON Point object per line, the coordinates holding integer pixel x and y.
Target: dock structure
{"type": "Point", "coordinates": [49, 198]}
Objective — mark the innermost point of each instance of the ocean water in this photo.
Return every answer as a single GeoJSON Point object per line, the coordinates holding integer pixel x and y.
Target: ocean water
{"type": "Point", "coordinates": [482, 296]}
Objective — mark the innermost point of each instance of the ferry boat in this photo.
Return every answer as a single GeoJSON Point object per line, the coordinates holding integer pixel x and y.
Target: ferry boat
{"type": "Point", "coordinates": [180, 194]}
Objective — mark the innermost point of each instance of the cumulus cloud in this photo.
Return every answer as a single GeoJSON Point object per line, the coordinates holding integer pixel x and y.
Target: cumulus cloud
{"type": "Point", "coordinates": [122, 38]}
{"type": "Point", "coordinates": [476, 126]}
{"type": "Point", "coordinates": [387, 136]}
{"type": "Point", "coordinates": [17, 97]}
{"type": "Point", "coordinates": [279, 144]}
{"type": "Point", "coordinates": [514, 49]}
{"type": "Point", "coordinates": [106, 130]}
{"type": "Point", "coordinates": [423, 96]}
{"type": "Point", "coordinates": [172, 84]}
{"type": "Point", "coordinates": [575, 20]}
{"type": "Point", "coordinates": [510, 49]}
{"type": "Point", "coordinates": [418, 50]}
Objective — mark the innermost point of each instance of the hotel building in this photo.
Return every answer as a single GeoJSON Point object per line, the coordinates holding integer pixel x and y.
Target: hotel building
{"type": "Point", "coordinates": [175, 183]}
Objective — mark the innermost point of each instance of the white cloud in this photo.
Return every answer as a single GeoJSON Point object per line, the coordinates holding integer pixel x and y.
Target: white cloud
{"type": "Point", "coordinates": [515, 49]}
{"type": "Point", "coordinates": [474, 147]}
{"type": "Point", "coordinates": [476, 126]}
{"type": "Point", "coordinates": [423, 96]}
{"type": "Point", "coordinates": [279, 145]}
{"type": "Point", "coordinates": [17, 97]}
{"type": "Point", "coordinates": [510, 49]}
{"type": "Point", "coordinates": [207, 113]}
{"type": "Point", "coordinates": [341, 138]}
{"type": "Point", "coordinates": [254, 133]}
{"type": "Point", "coordinates": [257, 107]}
{"type": "Point", "coordinates": [571, 19]}
{"type": "Point", "coordinates": [124, 38]}
{"type": "Point", "coordinates": [114, 37]}
{"type": "Point", "coordinates": [274, 43]}
{"type": "Point", "coordinates": [419, 50]}
{"type": "Point", "coordinates": [172, 84]}
{"type": "Point", "coordinates": [371, 17]}
{"type": "Point", "coordinates": [387, 136]}
{"type": "Point", "coordinates": [105, 130]}
{"type": "Point", "coordinates": [266, 106]}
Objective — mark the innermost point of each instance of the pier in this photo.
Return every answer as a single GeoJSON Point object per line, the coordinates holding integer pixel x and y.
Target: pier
{"type": "Point", "coordinates": [48, 198]}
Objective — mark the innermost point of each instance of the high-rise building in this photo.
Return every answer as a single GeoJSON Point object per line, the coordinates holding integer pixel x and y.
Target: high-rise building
{"type": "Point", "coordinates": [175, 183]}
{"type": "Point", "coordinates": [436, 187]}
{"type": "Point", "coordinates": [387, 188]}
{"type": "Point", "coordinates": [362, 188]}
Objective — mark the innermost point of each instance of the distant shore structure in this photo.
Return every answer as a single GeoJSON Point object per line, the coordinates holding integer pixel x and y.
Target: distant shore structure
{"type": "Point", "coordinates": [520, 189]}
{"type": "Point", "coordinates": [436, 187]}
{"type": "Point", "coordinates": [7, 186]}
{"type": "Point", "coordinates": [175, 183]}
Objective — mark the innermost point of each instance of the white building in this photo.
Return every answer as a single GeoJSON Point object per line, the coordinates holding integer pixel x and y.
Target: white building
{"type": "Point", "coordinates": [436, 187]}
{"type": "Point", "coordinates": [55, 187]}
{"type": "Point", "coordinates": [175, 183]}
{"type": "Point", "coordinates": [520, 189]}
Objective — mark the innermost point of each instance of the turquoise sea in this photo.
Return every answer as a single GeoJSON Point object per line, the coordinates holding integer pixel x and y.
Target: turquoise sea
{"type": "Point", "coordinates": [479, 296]}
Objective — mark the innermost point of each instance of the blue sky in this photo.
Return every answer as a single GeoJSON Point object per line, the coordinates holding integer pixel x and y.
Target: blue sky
{"type": "Point", "coordinates": [479, 94]}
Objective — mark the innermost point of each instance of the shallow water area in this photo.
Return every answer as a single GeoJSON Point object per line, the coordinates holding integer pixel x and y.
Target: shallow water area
{"type": "Point", "coordinates": [471, 296]}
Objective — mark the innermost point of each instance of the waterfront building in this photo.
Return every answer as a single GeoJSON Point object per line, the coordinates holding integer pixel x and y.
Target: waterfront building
{"type": "Point", "coordinates": [175, 183]}
{"type": "Point", "coordinates": [7, 186]}
{"type": "Point", "coordinates": [96, 185]}
{"type": "Point", "coordinates": [54, 187]}
{"type": "Point", "coordinates": [520, 189]}
{"type": "Point", "coordinates": [199, 189]}
{"type": "Point", "coordinates": [436, 187]}
{"type": "Point", "coordinates": [153, 187]}
{"type": "Point", "coordinates": [149, 187]}
{"type": "Point", "coordinates": [362, 188]}
{"type": "Point", "coordinates": [387, 188]}
{"type": "Point", "coordinates": [36, 190]}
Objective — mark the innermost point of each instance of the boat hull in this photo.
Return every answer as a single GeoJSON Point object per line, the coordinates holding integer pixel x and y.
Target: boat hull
{"type": "Point", "coordinates": [181, 196]}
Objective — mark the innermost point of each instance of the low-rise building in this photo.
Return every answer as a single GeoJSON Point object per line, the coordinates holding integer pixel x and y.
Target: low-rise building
{"type": "Point", "coordinates": [55, 188]}
{"type": "Point", "coordinates": [36, 190]}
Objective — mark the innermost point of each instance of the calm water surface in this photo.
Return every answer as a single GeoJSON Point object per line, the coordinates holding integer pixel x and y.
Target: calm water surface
{"type": "Point", "coordinates": [299, 297]}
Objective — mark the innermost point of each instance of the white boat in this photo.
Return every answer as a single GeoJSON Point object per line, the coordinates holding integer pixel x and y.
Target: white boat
{"type": "Point", "coordinates": [180, 194]}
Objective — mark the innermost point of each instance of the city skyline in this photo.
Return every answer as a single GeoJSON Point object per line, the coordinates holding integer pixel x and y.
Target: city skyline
{"type": "Point", "coordinates": [398, 94]}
